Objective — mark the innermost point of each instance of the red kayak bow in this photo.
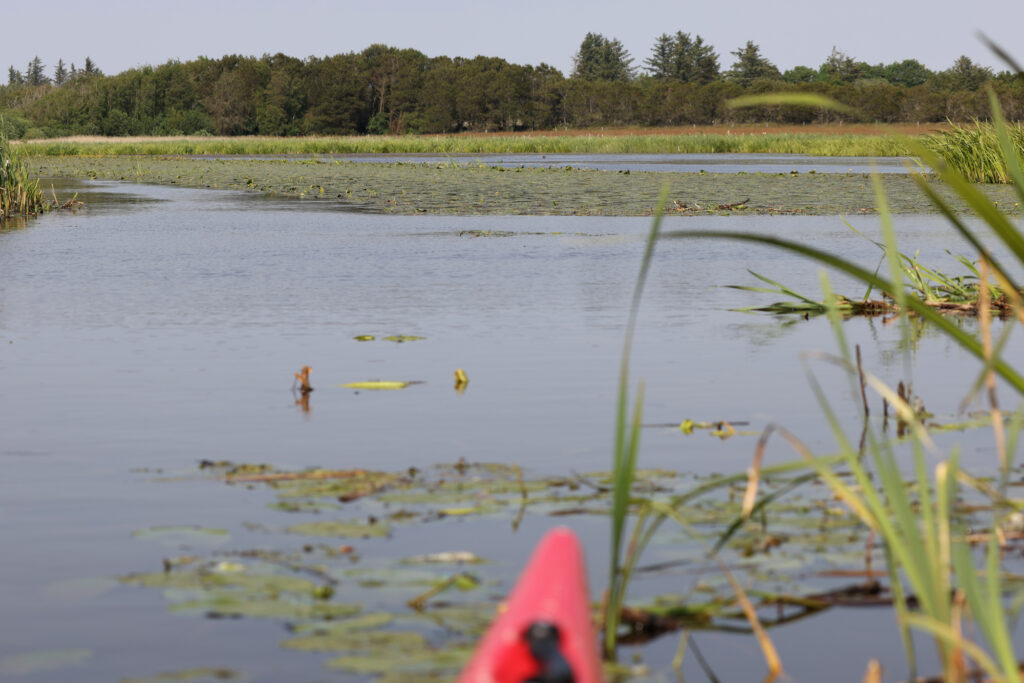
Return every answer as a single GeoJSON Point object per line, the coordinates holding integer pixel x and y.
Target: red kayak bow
{"type": "Point", "coordinates": [544, 633]}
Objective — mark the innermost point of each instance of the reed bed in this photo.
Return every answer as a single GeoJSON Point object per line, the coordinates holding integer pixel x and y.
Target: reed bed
{"type": "Point", "coordinates": [815, 144]}
{"type": "Point", "coordinates": [19, 194]}
{"type": "Point", "coordinates": [974, 150]}
{"type": "Point", "coordinates": [936, 579]}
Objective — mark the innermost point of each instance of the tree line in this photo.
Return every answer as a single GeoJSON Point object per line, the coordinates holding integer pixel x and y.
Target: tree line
{"type": "Point", "coordinates": [384, 89]}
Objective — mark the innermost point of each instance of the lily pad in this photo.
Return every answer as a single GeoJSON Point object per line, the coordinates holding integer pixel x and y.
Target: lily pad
{"type": "Point", "coordinates": [341, 529]}
{"type": "Point", "coordinates": [233, 604]}
{"type": "Point", "coordinates": [450, 557]}
{"type": "Point", "coordinates": [376, 385]}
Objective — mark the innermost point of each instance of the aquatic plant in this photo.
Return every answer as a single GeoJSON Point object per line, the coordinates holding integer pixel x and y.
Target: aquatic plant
{"type": "Point", "coordinates": [816, 144]}
{"type": "Point", "coordinates": [925, 545]}
{"type": "Point", "coordinates": [627, 444]}
{"type": "Point", "coordinates": [19, 194]}
{"type": "Point", "coordinates": [976, 152]}
{"type": "Point", "coordinates": [929, 286]}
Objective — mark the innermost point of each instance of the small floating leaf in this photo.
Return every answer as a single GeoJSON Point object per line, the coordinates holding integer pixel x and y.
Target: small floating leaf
{"type": "Point", "coordinates": [401, 338]}
{"type": "Point", "coordinates": [461, 581]}
{"type": "Point", "coordinates": [364, 337]}
{"type": "Point", "coordinates": [343, 529]}
{"type": "Point", "coordinates": [376, 385]}
{"type": "Point", "coordinates": [236, 605]}
{"type": "Point", "coordinates": [451, 557]}
{"type": "Point", "coordinates": [461, 512]}
{"type": "Point", "coordinates": [461, 380]}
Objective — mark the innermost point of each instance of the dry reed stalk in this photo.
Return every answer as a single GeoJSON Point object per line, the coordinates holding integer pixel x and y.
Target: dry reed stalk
{"type": "Point", "coordinates": [873, 673]}
{"type": "Point", "coordinates": [754, 473]}
{"type": "Point", "coordinates": [771, 655]}
{"type": "Point", "coordinates": [985, 325]}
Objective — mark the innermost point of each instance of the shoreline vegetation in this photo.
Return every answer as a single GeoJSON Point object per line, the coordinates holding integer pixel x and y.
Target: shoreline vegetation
{"type": "Point", "coordinates": [20, 194]}
{"type": "Point", "coordinates": [814, 140]}
{"type": "Point", "coordinates": [451, 187]}
{"type": "Point", "coordinates": [389, 90]}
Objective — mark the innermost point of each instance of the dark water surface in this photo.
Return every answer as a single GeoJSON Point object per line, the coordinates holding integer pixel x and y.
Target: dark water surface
{"type": "Point", "coordinates": [158, 327]}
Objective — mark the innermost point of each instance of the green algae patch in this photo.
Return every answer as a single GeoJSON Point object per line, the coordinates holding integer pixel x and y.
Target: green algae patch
{"type": "Point", "coordinates": [403, 188]}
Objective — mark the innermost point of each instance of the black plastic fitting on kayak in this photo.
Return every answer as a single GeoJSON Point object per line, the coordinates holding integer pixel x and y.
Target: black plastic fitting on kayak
{"type": "Point", "coordinates": [543, 639]}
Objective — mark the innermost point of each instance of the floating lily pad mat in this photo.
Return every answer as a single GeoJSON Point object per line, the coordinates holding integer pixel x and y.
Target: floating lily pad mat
{"type": "Point", "coordinates": [332, 573]}
{"type": "Point", "coordinates": [411, 188]}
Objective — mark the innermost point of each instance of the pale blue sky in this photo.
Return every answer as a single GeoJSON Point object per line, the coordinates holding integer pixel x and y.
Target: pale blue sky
{"type": "Point", "coordinates": [120, 34]}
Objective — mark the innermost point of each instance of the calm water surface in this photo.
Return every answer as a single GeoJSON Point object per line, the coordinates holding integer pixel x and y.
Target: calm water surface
{"type": "Point", "coordinates": [666, 163]}
{"type": "Point", "coordinates": [159, 326]}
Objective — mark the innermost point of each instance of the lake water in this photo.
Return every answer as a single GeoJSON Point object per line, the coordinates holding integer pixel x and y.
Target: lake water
{"type": "Point", "coordinates": [158, 327]}
{"type": "Point", "coordinates": [665, 163]}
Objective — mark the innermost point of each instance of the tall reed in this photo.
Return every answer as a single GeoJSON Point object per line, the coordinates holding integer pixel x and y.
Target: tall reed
{"type": "Point", "coordinates": [928, 554]}
{"type": "Point", "coordinates": [649, 143]}
{"type": "Point", "coordinates": [19, 194]}
{"type": "Point", "coordinates": [975, 150]}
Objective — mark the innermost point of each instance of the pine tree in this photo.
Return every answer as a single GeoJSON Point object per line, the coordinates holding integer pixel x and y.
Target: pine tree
{"type": "Point", "coordinates": [683, 58]}
{"type": "Point", "coordinates": [60, 73]}
{"type": "Point", "coordinates": [602, 59]}
{"type": "Point", "coordinates": [14, 77]}
{"type": "Point", "coordinates": [705, 61]}
{"type": "Point", "coordinates": [35, 74]}
{"type": "Point", "coordinates": [90, 68]}
{"type": "Point", "coordinates": [750, 65]}
{"type": "Point", "coordinates": [660, 63]}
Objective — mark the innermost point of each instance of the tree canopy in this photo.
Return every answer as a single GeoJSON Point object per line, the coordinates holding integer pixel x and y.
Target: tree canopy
{"type": "Point", "coordinates": [385, 89]}
{"type": "Point", "coordinates": [751, 65]}
{"type": "Point", "coordinates": [682, 58]}
{"type": "Point", "coordinates": [601, 59]}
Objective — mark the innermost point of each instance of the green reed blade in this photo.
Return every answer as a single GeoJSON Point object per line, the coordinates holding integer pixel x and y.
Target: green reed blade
{"type": "Point", "coordinates": [969, 343]}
